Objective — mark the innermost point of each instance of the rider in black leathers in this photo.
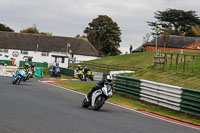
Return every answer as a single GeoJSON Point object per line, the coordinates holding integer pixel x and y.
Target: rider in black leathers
{"type": "Point", "coordinates": [99, 85]}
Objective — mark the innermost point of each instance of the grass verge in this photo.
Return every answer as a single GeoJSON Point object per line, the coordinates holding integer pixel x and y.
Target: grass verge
{"type": "Point", "coordinates": [85, 87]}
{"type": "Point", "coordinates": [186, 80]}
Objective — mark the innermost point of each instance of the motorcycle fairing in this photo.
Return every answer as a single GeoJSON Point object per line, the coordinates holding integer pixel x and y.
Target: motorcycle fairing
{"type": "Point", "coordinates": [95, 95]}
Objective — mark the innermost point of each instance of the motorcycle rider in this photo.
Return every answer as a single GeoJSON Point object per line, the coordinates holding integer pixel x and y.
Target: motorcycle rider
{"type": "Point", "coordinates": [99, 85]}
{"type": "Point", "coordinates": [32, 69]}
{"type": "Point", "coordinates": [79, 68]}
{"type": "Point", "coordinates": [25, 66]}
{"type": "Point", "coordinates": [32, 66]}
{"type": "Point", "coordinates": [85, 70]}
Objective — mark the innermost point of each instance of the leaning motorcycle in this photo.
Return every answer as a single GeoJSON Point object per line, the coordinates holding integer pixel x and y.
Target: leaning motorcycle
{"type": "Point", "coordinates": [21, 74]}
{"type": "Point", "coordinates": [89, 75]}
{"type": "Point", "coordinates": [80, 75]}
{"type": "Point", "coordinates": [98, 98]}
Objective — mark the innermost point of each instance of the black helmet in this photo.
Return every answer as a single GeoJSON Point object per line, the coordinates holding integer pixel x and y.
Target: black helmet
{"type": "Point", "coordinates": [109, 79]}
{"type": "Point", "coordinates": [32, 65]}
{"type": "Point", "coordinates": [79, 66]}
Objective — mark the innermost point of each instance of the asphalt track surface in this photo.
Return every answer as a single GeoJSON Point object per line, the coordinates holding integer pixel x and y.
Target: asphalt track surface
{"type": "Point", "coordinates": [35, 107]}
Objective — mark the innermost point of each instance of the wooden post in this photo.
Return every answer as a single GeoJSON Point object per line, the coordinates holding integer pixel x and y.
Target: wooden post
{"type": "Point", "coordinates": [181, 58]}
{"type": "Point", "coordinates": [166, 59]}
{"type": "Point", "coordinates": [177, 62]}
{"type": "Point", "coordinates": [184, 63]}
{"type": "Point", "coordinates": [171, 62]}
{"type": "Point", "coordinates": [117, 68]}
{"type": "Point", "coordinates": [193, 63]}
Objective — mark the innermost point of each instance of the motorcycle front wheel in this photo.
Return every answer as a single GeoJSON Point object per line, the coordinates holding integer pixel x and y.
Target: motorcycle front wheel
{"type": "Point", "coordinates": [91, 77]}
{"type": "Point", "coordinates": [16, 79]}
{"type": "Point", "coordinates": [81, 77]}
{"type": "Point", "coordinates": [99, 102]}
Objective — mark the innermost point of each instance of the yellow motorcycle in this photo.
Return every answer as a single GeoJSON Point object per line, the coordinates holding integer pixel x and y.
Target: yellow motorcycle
{"type": "Point", "coordinates": [89, 75]}
{"type": "Point", "coordinates": [80, 75]}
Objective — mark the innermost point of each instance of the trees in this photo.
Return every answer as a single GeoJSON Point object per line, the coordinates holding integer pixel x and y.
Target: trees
{"type": "Point", "coordinates": [3, 27]}
{"type": "Point", "coordinates": [32, 30]}
{"type": "Point", "coordinates": [179, 22]}
{"type": "Point", "coordinates": [194, 31]}
{"type": "Point", "coordinates": [79, 36]}
{"type": "Point", "coordinates": [104, 34]}
{"type": "Point", "coordinates": [35, 30]}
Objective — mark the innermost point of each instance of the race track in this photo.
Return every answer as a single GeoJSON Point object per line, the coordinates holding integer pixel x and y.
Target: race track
{"type": "Point", "coordinates": [35, 107]}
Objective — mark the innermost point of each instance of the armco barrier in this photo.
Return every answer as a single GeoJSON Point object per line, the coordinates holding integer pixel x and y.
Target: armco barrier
{"type": "Point", "coordinates": [161, 94]}
{"type": "Point", "coordinates": [37, 64]}
{"type": "Point", "coordinates": [66, 71]}
{"type": "Point", "coordinates": [128, 86]}
{"type": "Point", "coordinates": [173, 97]}
{"type": "Point", "coordinates": [8, 62]}
{"type": "Point", "coordinates": [190, 101]}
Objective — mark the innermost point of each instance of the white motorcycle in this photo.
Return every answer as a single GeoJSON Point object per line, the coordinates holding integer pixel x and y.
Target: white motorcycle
{"type": "Point", "coordinates": [98, 98]}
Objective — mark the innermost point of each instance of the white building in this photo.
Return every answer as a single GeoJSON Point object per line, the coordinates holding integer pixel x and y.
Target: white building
{"type": "Point", "coordinates": [41, 48]}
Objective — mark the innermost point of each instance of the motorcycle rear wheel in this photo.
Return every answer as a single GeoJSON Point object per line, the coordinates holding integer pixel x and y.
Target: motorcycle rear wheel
{"type": "Point", "coordinates": [85, 104]}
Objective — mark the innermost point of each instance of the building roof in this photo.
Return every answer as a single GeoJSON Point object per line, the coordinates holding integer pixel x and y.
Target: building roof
{"type": "Point", "coordinates": [172, 42]}
{"type": "Point", "coordinates": [35, 42]}
{"type": "Point", "coordinates": [175, 41]}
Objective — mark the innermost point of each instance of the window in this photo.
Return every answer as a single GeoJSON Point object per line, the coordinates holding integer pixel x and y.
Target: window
{"type": "Point", "coordinates": [24, 52]}
{"type": "Point", "coordinates": [63, 60]}
{"type": "Point", "coordinates": [6, 56]}
{"type": "Point", "coordinates": [45, 54]}
{"type": "Point", "coordinates": [59, 60]}
{"type": "Point", "coordinates": [3, 50]}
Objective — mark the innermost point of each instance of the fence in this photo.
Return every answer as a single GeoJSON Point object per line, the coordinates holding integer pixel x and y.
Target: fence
{"type": "Point", "coordinates": [178, 62]}
{"type": "Point", "coordinates": [172, 97]}
{"type": "Point", "coordinates": [107, 68]}
{"type": "Point", "coordinates": [37, 64]}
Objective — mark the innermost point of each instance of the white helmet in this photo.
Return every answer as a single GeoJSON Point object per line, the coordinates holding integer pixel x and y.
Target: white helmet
{"type": "Point", "coordinates": [109, 79]}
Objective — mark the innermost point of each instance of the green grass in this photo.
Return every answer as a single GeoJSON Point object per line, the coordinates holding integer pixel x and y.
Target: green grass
{"type": "Point", "coordinates": [62, 77]}
{"type": "Point", "coordinates": [136, 60]}
{"type": "Point", "coordinates": [186, 80]}
{"type": "Point", "coordinates": [85, 87]}
{"type": "Point", "coordinates": [145, 61]}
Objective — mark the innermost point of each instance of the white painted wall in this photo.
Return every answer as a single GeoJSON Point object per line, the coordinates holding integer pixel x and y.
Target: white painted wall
{"type": "Point", "coordinates": [37, 57]}
{"type": "Point", "coordinates": [85, 58]}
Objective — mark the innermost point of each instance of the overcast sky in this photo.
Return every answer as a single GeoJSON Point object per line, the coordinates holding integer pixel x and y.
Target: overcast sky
{"type": "Point", "coordinates": [71, 17]}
